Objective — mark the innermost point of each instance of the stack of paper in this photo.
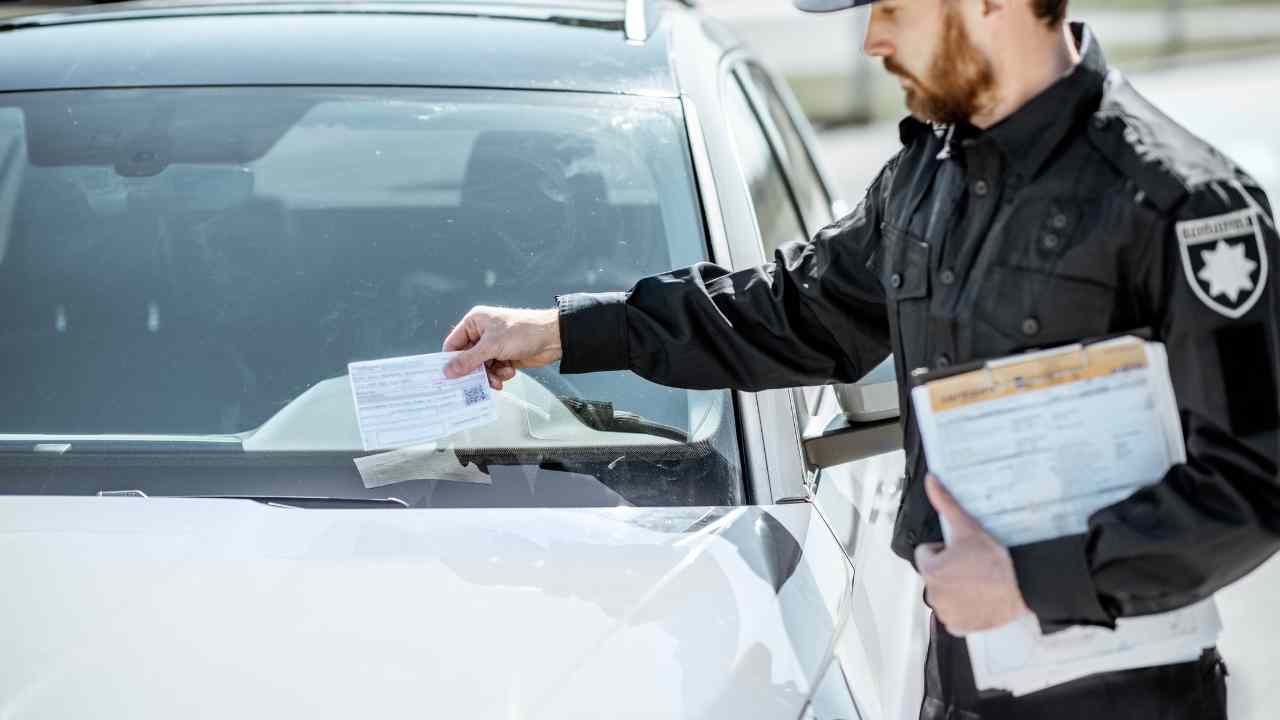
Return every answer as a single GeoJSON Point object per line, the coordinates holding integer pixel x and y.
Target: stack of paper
{"type": "Point", "coordinates": [1032, 446]}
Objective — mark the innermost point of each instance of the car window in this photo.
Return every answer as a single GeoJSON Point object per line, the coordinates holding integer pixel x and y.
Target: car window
{"type": "Point", "coordinates": [195, 268]}
{"type": "Point", "coordinates": [775, 212]}
{"type": "Point", "coordinates": [806, 182]}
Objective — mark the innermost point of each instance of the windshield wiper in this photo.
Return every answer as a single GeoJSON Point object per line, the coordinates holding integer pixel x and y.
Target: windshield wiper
{"type": "Point", "coordinates": [296, 501]}
{"type": "Point", "coordinates": [601, 416]}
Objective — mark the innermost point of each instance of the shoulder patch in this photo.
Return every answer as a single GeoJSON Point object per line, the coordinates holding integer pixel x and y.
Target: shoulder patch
{"type": "Point", "coordinates": [1224, 260]}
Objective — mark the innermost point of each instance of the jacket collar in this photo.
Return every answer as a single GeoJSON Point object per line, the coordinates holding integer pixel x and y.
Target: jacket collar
{"type": "Point", "coordinates": [1028, 137]}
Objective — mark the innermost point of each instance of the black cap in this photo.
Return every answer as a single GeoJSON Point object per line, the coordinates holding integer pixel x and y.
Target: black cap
{"type": "Point", "coordinates": [829, 5]}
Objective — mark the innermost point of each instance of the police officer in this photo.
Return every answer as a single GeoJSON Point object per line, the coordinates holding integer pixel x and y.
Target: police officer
{"type": "Point", "coordinates": [1037, 199]}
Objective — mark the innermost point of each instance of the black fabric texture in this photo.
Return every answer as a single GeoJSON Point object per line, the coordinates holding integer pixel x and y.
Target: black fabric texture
{"type": "Point", "coordinates": [1250, 378]}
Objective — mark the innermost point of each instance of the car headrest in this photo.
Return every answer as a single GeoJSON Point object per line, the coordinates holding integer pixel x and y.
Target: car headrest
{"type": "Point", "coordinates": [531, 165]}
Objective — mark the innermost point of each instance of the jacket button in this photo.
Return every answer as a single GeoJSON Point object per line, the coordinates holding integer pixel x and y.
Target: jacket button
{"type": "Point", "coordinates": [943, 362]}
{"type": "Point", "coordinates": [1059, 222]}
{"type": "Point", "coordinates": [1030, 326]}
{"type": "Point", "coordinates": [981, 188]}
{"type": "Point", "coordinates": [896, 280]}
{"type": "Point", "coordinates": [1051, 241]}
{"type": "Point", "coordinates": [948, 276]}
{"type": "Point", "coordinates": [911, 537]}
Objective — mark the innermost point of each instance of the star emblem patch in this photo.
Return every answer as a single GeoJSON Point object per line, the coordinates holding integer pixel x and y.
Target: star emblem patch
{"type": "Point", "coordinates": [1225, 261]}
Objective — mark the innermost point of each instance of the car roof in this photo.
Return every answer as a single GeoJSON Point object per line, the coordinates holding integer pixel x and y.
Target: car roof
{"type": "Point", "coordinates": [567, 45]}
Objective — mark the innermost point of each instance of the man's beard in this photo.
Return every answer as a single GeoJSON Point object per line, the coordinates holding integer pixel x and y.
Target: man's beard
{"type": "Point", "coordinates": [960, 81]}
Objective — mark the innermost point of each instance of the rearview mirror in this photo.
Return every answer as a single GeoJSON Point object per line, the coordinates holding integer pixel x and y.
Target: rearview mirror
{"type": "Point", "coordinates": [863, 423]}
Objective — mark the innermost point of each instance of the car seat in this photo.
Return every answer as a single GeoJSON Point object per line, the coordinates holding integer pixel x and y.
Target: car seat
{"type": "Point", "coordinates": [108, 340]}
{"type": "Point", "coordinates": [520, 208]}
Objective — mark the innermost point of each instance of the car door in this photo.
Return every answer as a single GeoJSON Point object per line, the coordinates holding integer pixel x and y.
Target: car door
{"type": "Point", "coordinates": [859, 499]}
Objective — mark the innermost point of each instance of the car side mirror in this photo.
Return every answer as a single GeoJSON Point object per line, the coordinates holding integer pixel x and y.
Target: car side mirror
{"type": "Point", "coordinates": [863, 422]}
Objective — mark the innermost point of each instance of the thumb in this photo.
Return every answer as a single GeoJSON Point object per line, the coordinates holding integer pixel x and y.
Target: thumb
{"type": "Point", "coordinates": [467, 361]}
{"type": "Point", "coordinates": [925, 556]}
{"type": "Point", "coordinates": [961, 522]}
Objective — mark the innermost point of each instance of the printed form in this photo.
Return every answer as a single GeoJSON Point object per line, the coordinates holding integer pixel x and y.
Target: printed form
{"type": "Point", "coordinates": [1032, 446]}
{"type": "Point", "coordinates": [408, 401]}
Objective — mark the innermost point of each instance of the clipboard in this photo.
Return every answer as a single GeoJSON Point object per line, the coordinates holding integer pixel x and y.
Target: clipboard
{"type": "Point", "coordinates": [1032, 445]}
{"type": "Point", "coordinates": [924, 376]}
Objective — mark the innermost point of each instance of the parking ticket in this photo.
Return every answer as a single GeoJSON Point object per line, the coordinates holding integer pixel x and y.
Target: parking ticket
{"type": "Point", "coordinates": [407, 400]}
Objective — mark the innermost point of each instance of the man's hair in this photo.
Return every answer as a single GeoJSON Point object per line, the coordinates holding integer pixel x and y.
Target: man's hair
{"type": "Point", "coordinates": [1053, 12]}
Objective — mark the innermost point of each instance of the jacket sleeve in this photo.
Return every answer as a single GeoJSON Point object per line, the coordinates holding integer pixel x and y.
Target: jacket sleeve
{"type": "Point", "coordinates": [1215, 518]}
{"type": "Point", "coordinates": [815, 315]}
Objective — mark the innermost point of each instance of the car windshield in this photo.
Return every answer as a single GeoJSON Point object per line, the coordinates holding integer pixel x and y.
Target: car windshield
{"type": "Point", "coordinates": [185, 275]}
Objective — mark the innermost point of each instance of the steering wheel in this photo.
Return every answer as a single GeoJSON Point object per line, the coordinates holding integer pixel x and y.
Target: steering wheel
{"type": "Point", "coordinates": [529, 243]}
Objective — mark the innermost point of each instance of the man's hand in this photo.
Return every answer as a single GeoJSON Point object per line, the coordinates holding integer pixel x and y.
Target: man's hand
{"type": "Point", "coordinates": [503, 339]}
{"type": "Point", "coordinates": [970, 584]}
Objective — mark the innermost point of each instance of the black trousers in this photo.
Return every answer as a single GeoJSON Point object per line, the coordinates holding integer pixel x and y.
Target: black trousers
{"type": "Point", "coordinates": [1186, 691]}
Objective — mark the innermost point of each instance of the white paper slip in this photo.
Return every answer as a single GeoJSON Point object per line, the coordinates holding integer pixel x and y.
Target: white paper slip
{"type": "Point", "coordinates": [408, 401]}
{"type": "Point", "coordinates": [1034, 445]}
{"type": "Point", "coordinates": [417, 462]}
{"type": "Point", "coordinates": [1021, 659]}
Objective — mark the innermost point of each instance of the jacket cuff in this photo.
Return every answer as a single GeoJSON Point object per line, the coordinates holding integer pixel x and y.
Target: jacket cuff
{"type": "Point", "coordinates": [593, 332]}
{"type": "Point", "coordinates": [1057, 585]}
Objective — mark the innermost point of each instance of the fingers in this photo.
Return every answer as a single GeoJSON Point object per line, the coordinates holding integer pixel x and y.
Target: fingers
{"type": "Point", "coordinates": [927, 556]}
{"type": "Point", "coordinates": [464, 334]}
{"type": "Point", "coordinates": [961, 522]}
{"type": "Point", "coordinates": [468, 361]}
{"type": "Point", "coordinates": [499, 372]}
{"type": "Point", "coordinates": [504, 371]}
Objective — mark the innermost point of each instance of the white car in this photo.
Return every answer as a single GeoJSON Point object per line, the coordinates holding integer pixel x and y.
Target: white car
{"type": "Point", "coordinates": [207, 210]}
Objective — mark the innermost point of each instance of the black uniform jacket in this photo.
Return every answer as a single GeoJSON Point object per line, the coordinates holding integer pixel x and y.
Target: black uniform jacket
{"type": "Point", "coordinates": [1086, 213]}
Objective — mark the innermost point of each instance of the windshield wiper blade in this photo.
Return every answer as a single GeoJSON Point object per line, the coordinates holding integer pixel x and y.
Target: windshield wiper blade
{"type": "Point", "coordinates": [601, 416]}
{"type": "Point", "coordinates": [298, 501]}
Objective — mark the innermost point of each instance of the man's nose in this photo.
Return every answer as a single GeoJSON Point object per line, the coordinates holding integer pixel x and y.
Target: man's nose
{"type": "Point", "coordinates": [876, 44]}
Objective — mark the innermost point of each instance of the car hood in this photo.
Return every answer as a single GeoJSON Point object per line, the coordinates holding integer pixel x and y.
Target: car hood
{"type": "Point", "coordinates": [161, 608]}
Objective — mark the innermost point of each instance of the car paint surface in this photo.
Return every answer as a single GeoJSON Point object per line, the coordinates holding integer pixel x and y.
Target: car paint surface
{"type": "Point", "coordinates": [160, 608]}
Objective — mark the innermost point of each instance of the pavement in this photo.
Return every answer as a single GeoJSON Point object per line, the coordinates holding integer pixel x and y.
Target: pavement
{"type": "Point", "coordinates": [1236, 106]}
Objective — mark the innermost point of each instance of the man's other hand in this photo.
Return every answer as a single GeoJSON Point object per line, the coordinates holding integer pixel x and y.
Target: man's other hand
{"type": "Point", "coordinates": [970, 583]}
{"type": "Point", "coordinates": [503, 339]}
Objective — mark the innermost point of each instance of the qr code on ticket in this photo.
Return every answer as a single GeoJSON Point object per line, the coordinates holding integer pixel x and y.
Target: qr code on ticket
{"type": "Point", "coordinates": [474, 394]}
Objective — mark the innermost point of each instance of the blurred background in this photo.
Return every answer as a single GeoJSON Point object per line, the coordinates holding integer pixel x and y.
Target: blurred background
{"type": "Point", "coordinates": [1212, 64]}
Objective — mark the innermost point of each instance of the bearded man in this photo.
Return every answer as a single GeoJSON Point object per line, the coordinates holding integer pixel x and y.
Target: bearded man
{"type": "Point", "coordinates": [1037, 200]}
